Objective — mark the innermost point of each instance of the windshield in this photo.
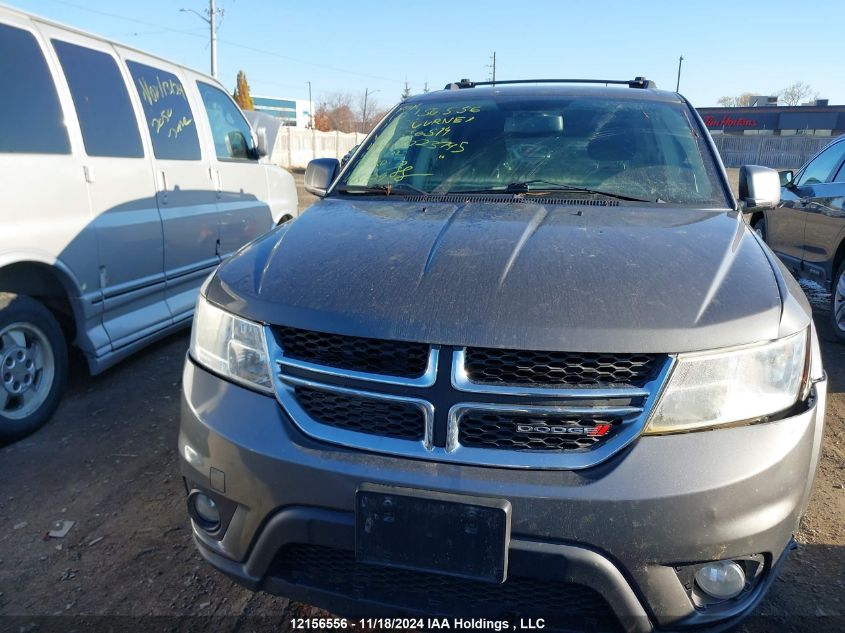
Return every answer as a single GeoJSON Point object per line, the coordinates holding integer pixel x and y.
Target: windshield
{"type": "Point", "coordinates": [627, 148]}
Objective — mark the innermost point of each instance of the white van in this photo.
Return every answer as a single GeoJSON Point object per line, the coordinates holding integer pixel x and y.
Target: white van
{"type": "Point", "coordinates": [125, 181]}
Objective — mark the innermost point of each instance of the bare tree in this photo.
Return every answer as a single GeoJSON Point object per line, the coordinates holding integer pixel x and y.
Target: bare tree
{"type": "Point", "coordinates": [740, 101]}
{"type": "Point", "coordinates": [344, 112]}
{"type": "Point", "coordinates": [336, 113]}
{"type": "Point", "coordinates": [369, 118]}
{"type": "Point", "coordinates": [796, 93]}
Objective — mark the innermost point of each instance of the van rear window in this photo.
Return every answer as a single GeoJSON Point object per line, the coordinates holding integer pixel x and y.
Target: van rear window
{"type": "Point", "coordinates": [109, 126]}
{"type": "Point", "coordinates": [31, 119]}
{"type": "Point", "coordinates": [170, 120]}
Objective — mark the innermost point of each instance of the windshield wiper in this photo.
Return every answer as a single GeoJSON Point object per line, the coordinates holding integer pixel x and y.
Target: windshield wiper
{"type": "Point", "coordinates": [400, 188]}
{"type": "Point", "coordinates": [547, 186]}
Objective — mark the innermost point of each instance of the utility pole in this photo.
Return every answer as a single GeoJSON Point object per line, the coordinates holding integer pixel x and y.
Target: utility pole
{"type": "Point", "coordinates": [364, 113]}
{"type": "Point", "coordinates": [211, 18]}
{"type": "Point", "coordinates": [493, 66]}
{"type": "Point", "coordinates": [310, 107]}
{"type": "Point", "coordinates": [213, 23]}
{"type": "Point", "coordinates": [678, 85]}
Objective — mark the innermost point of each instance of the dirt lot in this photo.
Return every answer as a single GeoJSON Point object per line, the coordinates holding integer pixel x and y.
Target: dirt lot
{"type": "Point", "coordinates": [108, 462]}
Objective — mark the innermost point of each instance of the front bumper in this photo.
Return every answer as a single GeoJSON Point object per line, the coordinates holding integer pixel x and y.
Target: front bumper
{"type": "Point", "coordinates": [619, 528]}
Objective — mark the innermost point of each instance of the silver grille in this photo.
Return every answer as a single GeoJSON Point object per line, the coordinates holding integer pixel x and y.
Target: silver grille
{"type": "Point", "coordinates": [445, 416]}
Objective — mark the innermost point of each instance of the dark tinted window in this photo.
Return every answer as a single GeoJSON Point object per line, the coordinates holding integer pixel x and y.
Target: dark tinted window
{"type": "Point", "coordinates": [168, 113]}
{"type": "Point", "coordinates": [109, 127]}
{"type": "Point", "coordinates": [30, 115]}
{"type": "Point", "coordinates": [231, 133]}
{"type": "Point", "coordinates": [822, 165]}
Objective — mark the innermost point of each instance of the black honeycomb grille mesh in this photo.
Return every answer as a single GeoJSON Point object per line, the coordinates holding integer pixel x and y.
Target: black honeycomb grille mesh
{"type": "Point", "coordinates": [498, 429]}
{"type": "Point", "coordinates": [364, 415]}
{"type": "Point", "coordinates": [526, 367]}
{"type": "Point", "coordinates": [336, 571]}
{"type": "Point", "coordinates": [354, 353]}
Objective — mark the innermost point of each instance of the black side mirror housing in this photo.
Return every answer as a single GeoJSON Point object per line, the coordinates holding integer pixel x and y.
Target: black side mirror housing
{"type": "Point", "coordinates": [786, 177]}
{"type": "Point", "coordinates": [320, 174]}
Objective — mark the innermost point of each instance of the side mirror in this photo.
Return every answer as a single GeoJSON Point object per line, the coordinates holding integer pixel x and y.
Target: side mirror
{"type": "Point", "coordinates": [759, 187]}
{"type": "Point", "coordinates": [786, 177]}
{"type": "Point", "coordinates": [261, 142]}
{"type": "Point", "coordinates": [320, 174]}
{"type": "Point", "coordinates": [237, 145]}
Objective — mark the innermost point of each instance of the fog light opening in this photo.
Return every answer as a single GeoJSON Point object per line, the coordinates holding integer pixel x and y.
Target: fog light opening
{"type": "Point", "coordinates": [721, 580]}
{"type": "Point", "coordinates": [204, 511]}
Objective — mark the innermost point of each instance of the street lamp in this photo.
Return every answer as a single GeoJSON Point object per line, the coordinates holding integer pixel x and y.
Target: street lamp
{"type": "Point", "coordinates": [367, 92]}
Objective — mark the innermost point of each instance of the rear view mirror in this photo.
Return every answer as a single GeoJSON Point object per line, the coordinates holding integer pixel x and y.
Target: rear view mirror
{"type": "Point", "coordinates": [786, 177]}
{"type": "Point", "coordinates": [759, 187]}
{"type": "Point", "coordinates": [320, 174]}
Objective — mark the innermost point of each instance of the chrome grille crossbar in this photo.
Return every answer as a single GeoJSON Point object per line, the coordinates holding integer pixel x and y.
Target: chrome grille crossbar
{"type": "Point", "coordinates": [626, 407]}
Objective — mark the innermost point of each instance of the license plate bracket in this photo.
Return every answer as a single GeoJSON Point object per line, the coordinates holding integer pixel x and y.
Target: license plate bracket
{"type": "Point", "coordinates": [436, 532]}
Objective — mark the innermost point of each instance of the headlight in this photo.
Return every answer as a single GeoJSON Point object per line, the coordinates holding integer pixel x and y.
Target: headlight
{"type": "Point", "coordinates": [230, 346]}
{"type": "Point", "coordinates": [744, 384]}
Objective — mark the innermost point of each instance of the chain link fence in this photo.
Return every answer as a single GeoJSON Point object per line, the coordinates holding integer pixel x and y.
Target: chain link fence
{"type": "Point", "coordinates": [777, 152]}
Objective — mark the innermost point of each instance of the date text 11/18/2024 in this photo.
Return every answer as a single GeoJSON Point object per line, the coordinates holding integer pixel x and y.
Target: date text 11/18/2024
{"type": "Point", "coordinates": [417, 624]}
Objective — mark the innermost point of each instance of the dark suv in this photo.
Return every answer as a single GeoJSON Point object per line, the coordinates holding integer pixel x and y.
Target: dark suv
{"type": "Point", "coordinates": [524, 359]}
{"type": "Point", "coordinates": [807, 230]}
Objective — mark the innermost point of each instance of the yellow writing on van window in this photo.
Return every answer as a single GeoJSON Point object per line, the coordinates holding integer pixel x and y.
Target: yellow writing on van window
{"type": "Point", "coordinates": [159, 89]}
{"type": "Point", "coordinates": [177, 129]}
{"type": "Point", "coordinates": [160, 121]}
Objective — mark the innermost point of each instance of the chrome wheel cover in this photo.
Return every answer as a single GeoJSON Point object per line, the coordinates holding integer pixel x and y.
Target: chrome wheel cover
{"type": "Point", "coordinates": [27, 370]}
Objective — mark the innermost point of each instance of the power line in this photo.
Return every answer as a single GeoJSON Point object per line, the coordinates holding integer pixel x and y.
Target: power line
{"type": "Point", "coordinates": [310, 63]}
{"type": "Point", "coordinates": [253, 49]}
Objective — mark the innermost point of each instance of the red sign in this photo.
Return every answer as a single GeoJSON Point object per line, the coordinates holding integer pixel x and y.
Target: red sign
{"type": "Point", "coordinates": [727, 121]}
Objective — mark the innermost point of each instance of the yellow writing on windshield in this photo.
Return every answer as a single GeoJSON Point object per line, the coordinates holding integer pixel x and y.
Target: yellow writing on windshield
{"type": "Point", "coordinates": [402, 171]}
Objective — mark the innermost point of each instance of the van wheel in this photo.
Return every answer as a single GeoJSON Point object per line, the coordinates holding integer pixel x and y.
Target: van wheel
{"type": "Point", "coordinates": [837, 303]}
{"type": "Point", "coordinates": [759, 227]}
{"type": "Point", "coordinates": [33, 365]}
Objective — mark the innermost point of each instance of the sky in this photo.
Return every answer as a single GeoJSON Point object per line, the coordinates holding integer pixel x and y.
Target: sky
{"type": "Point", "coordinates": [728, 47]}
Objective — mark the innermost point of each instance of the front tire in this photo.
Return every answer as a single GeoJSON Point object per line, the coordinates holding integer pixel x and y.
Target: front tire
{"type": "Point", "coordinates": [33, 365]}
{"type": "Point", "coordinates": [837, 303]}
{"type": "Point", "coordinates": [759, 227]}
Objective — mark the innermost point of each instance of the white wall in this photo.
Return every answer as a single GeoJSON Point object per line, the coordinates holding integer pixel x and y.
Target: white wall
{"type": "Point", "coordinates": [294, 147]}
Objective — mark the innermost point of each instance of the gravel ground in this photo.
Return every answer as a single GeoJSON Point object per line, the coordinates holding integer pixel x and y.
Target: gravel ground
{"type": "Point", "coordinates": [108, 463]}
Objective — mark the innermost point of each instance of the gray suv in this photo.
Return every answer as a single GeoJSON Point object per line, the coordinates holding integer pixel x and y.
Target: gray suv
{"type": "Point", "coordinates": [524, 359]}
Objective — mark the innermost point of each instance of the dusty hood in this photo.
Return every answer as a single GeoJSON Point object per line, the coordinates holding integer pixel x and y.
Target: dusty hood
{"type": "Point", "coordinates": [621, 279]}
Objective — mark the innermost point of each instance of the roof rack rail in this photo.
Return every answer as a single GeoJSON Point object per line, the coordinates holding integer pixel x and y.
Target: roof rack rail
{"type": "Point", "coordinates": [636, 82]}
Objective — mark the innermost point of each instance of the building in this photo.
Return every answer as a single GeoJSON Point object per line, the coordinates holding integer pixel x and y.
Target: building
{"type": "Point", "coordinates": [814, 119]}
{"type": "Point", "coordinates": [292, 112]}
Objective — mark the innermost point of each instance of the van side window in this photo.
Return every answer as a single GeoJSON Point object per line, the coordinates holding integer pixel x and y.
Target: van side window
{"type": "Point", "coordinates": [109, 127]}
{"type": "Point", "coordinates": [168, 113]}
{"type": "Point", "coordinates": [232, 134]}
{"type": "Point", "coordinates": [31, 119]}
